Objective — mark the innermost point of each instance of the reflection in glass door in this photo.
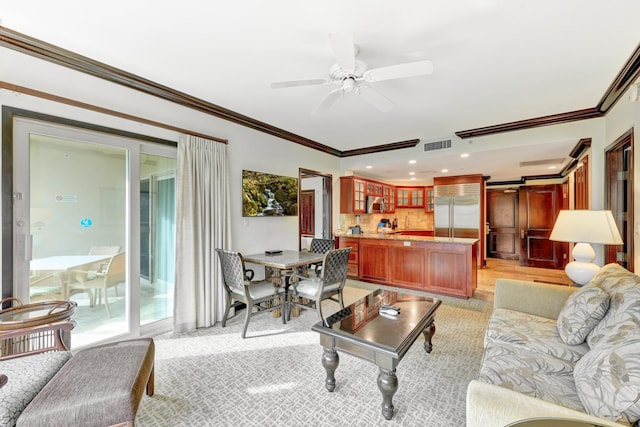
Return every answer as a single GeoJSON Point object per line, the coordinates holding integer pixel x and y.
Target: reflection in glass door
{"type": "Point", "coordinates": [157, 237]}
{"type": "Point", "coordinates": [78, 227]}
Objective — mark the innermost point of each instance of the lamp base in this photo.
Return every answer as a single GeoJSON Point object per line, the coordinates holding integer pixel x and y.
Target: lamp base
{"type": "Point", "coordinates": [581, 272]}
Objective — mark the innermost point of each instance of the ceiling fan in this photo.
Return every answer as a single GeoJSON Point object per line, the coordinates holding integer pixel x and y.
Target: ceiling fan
{"type": "Point", "coordinates": [352, 75]}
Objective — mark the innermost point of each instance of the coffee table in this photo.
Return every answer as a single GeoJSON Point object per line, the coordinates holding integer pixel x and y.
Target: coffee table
{"type": "Point", "coordinates": [383, 340]}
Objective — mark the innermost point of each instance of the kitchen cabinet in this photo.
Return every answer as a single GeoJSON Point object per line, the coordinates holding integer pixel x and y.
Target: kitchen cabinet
{"type": "Point", "coordinates": [352, 265]}
{"type": "Point", "coordinates": [410, 197]}
{"type": "Point", "coordinates": [374, 189]}
{"type": "Point", "coordinates": [447, 267]}
{"type": "Point", "coordinates": [373, 260]}
{"type": "Point", "coordinates": [428, 199]}
{"type": "Point", "coordinates": [352, 195]}
{"type": "Point", "coordinates": [389, 194]}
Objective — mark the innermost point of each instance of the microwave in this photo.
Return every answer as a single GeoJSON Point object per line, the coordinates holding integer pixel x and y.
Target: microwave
{"type": "Point", "coordinates": [375, 204]}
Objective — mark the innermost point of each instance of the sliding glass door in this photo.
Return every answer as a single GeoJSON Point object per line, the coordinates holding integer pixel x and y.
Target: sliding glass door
{"type": "Point", "coordinates": [94, 222]}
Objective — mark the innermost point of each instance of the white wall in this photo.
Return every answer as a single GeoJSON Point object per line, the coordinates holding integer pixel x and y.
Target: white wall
{"type": "Point", "coordinates": [247, 149]}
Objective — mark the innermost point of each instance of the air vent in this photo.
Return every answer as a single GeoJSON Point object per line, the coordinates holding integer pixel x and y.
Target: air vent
{"type": "Point", "coordinates": [437, 145]}
{"type": "Point", "coordinates": [542, 162]}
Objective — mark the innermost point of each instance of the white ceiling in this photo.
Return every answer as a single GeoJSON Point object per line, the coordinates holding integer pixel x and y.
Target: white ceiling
{"type": "Point", "coordinates": [494, 62]}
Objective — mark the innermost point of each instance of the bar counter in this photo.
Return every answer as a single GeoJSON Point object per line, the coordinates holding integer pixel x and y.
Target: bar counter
{"type": "Point", "coordinates": [440, 265]}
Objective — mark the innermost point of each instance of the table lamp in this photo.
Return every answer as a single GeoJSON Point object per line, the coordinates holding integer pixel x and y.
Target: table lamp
{"type": "Point", "coordinates": [583, 227]}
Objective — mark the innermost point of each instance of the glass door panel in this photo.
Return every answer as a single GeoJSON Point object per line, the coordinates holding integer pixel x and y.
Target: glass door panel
{"type": "Point", "coordinates": [78, 227]}
{"type": "Point", "coordinates": [157, 237]}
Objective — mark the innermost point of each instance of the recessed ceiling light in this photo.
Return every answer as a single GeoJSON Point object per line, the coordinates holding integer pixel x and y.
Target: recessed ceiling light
{"type": "Point", "coordinates": [368, 166]}
{"type": "Point", "coordinates": [551, 167]}
{"type": "Point", "coordinates": [464, 155]}
{"type": "Point", "coordinates": [413, 178]}
{"type": "Point", "coordinates": [412, 173]}
{"type": "Point", "coordinates": [445, 170]}
{"type": "Point", "coordinates": [412, 162]}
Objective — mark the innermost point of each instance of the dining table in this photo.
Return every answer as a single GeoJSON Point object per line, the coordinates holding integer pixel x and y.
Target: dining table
{"type": "Point", "coordinates": [279, 266]}
{"type": "Point", "coordinates": [61, 265]}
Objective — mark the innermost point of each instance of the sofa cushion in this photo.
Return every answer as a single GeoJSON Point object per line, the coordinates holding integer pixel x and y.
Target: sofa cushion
{"type": "Point", "coordinates": [26, 376]}
{"type": "Point", "coordinates": [535, 374]}
{"type": "Point", "coordinates": [534, 333]}
{"type": "Point", "coordinates": [581, 313]}
{"type": "Point", "coordinates": [624, 310]}
{"type": "Point", "coordinates": [608, 380]}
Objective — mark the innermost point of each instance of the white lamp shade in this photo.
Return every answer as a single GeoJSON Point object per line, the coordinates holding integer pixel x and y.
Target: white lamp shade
{"type": "Point", "coordinates": [586, 226]}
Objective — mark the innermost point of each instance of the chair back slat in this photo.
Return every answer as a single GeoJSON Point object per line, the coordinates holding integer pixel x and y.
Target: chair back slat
{"type": "Point", "coordinates": [232, 269]}
{"type": "Point", "coordinates": [334, 266]}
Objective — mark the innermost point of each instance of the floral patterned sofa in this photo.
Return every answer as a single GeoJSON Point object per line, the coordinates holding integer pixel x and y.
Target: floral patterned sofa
{"type": "Point", "coordinates": [561, 352]}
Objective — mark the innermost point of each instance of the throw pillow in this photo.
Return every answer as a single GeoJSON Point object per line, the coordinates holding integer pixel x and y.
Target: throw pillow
{"type": "Point", "coordinates": [607, 379]}
{"type": "Point", "coordinates": [581, 313]}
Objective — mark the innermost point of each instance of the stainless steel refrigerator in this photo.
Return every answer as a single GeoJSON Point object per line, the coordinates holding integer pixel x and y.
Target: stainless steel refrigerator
{"type": "Point", "coordinates": [456, 211]}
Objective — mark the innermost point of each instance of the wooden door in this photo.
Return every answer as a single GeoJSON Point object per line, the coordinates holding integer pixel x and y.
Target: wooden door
{"type": "Point", "coordinates": [619, 176]}
{"type": "Point", "coordinates": [539, 208]}
{"type": "Point", "coordinates": [502, 218]}
{"type": "Point", "coordinates": [307, 213]}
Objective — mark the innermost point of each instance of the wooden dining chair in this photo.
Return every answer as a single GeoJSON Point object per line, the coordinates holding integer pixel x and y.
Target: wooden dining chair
{"type": "Point", "coordinates": [328, 285]}
{"type": "Point", "coordinates": [239, 287]}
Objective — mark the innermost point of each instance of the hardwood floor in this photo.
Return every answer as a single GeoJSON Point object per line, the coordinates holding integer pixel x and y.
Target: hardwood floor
{"type": "Point", "coordinates": [500, 268]}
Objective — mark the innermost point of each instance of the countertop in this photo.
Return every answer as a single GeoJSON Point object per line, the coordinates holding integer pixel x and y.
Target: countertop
{"type": "Point", "coordinates": [397, 236]}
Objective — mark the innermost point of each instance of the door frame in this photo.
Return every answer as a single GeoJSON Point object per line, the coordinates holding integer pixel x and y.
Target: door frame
{"type": "Point", "coordinates": [611, 252]}
{"type": "Point", "coordinates": [327, 202]}
{"type": "Point", "coordinates": [139, 144]}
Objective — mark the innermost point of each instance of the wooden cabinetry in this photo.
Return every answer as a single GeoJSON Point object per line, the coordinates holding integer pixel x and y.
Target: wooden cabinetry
{"type": "Point", "coordinates": [410, 197]}
{"type": "Point", "coordinates": [389, 194]}
{"type": "Point", "coordinates": [374, 260]}
{"type": "Point", "coordinates": [352, 266]}
{"type": "Point", "coordinates": [451, 268]}
{"type": "Point", "coordinates": [425, 265]}
{"type": "Point", "coordinates": [428, 199]}
{"type": "Point", "coordinates": [407, 265]}
{"type": "Point", "coordinates": [374, 189]}
{"type": "Point", "coordinates": [352, 195]}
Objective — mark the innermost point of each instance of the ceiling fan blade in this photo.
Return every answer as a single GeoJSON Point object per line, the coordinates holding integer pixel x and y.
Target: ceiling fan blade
{"type": "Point", "coordinates": [328, 101]}
{"type": "Point", "coordinates": [410, 69]}
{"type": "Point", "coordinates": [295, 83]}
{"type": "Point", "coordinates": [344, 50]}
{"type": "Point", "coordinates": [376, 99]}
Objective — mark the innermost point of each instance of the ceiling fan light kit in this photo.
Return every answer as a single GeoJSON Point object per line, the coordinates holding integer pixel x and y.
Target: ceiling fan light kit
{"type": "Point", "coordinates": [351, 75]}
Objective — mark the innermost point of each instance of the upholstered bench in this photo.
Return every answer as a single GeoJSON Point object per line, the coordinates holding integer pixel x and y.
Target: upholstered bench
{"type": "Point", "coordinates": [99, 386]}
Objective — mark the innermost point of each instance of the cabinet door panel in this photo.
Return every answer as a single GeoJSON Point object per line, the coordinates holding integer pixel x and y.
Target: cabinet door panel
{"type": "Point", "coordinates": [407, 265]}
{"type": "Point", "coordinates": [374, 259]}
{"type": "Point", "coordinates": [446, 267]}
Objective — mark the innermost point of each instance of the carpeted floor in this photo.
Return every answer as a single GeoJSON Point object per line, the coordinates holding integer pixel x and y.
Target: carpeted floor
{"type": "Point", "coordinates": [274, 377]}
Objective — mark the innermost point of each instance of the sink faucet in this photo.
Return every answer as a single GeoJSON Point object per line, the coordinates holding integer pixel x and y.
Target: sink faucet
{"type": "Point", "coordinates": [406, 221]}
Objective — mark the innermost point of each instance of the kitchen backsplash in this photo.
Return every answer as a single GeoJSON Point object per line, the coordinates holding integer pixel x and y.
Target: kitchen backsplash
{"type": "Point", "coordinates": [408, 219]}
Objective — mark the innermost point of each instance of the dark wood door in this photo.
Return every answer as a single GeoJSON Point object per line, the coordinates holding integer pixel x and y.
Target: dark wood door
{"type": "Point", "coordinates": [539, 208]}
{"type": "Point", "coordinates": [307, 212]}
{"type": "Point", "coordinates": [502, 218]}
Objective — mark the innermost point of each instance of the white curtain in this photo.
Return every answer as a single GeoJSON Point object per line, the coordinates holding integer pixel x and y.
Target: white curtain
{"type": "Point", "coordinates": [202, 224]}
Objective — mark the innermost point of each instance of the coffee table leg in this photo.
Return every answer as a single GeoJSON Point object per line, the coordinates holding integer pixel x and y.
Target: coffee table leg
{"type": "Point", "coordinates": [428, 332]}
{"type": "Point", "coordinates": [330, 361]}
{"type": "Point", "coordinates": [388, 385]}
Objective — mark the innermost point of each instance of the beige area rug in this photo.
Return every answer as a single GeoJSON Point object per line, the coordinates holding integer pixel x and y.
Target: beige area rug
{"type": "Point", "coordinates": [274, 377]}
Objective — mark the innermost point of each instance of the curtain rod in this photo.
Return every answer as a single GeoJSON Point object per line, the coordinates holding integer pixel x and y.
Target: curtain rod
{"type": "Point", "coordinates": [44, 95]}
